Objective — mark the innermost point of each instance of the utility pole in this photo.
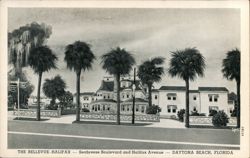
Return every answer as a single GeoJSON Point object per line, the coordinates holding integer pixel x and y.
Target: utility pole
{"type": "Point", "coordinates": [133, 88]}
{"type": "Point", "coordinates": [23, 85]}
{"type": "Point", "coordinates": [18, 97]}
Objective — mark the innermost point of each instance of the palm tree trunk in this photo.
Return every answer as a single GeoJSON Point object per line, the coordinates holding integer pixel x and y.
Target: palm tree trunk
{"type": "Point", "coordinates": [38, 114]}
{"type": "Point", "coordinates": [149, 95]}
{"type": "Point", "coordinates": [118, 98]}
{"type": "Point", "coordinates": [78, 96]}
{"type": "Point", "coordinates": [238, 104]}
{"type": "Point", "coordinates": [187, 105]}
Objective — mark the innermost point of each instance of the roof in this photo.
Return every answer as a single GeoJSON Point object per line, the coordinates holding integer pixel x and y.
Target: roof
{"type": "Point", "coordinates": [107, 86]}
{"type": "Point", "coordinates": [183, 88]}
{"type": "Point", "coordinates": [155, 90]}
{"type": "Point", "coordinates": [180, 88]}
{"type": "Point", "coordinates": [136, 100]}
{"type": "Point", "coordinates": [213, 89]}
{"type": "Point", "coordinates": [193, 91]}
{"type": "Point", "coordinates": [104, 100]}
{"type": "Point", "coordinates": [87, 93]}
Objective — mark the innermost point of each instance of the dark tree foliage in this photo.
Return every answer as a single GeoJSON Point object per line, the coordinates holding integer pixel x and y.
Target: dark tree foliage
{"type": "Point", "coordinates": [41, 59]}
{"type": "Point", "coordinates": [187, 64]}
{"type": "Point", "coordinates": [78, 57]}
{"type": "Point", "coordinates": [150, 72]}
{"type": "Point", "coordinates": [231, 71]}
{"type": "Point", "coordinates": [118, 62]}
{"type": "Point", "coordinates": [54, 88]}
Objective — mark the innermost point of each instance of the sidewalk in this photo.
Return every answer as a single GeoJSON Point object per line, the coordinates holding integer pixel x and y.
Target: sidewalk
{"type": "Point", "coordinates": [68, 119]}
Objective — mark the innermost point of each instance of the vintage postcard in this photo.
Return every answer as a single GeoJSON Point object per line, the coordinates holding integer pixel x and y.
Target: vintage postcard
{"type": "Point", "coordinates": [124, 79]}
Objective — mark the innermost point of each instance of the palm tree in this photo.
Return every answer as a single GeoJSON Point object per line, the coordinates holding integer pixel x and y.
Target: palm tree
{"type": "Point", "coordinates": [187, 64]}
{"type": "Point", "coordinates": [231, 71]}
{"type": "Point", "coordinates": [78, 57]}
{"type": "Point", "coordinates": [54, 88]}
{"type": "Point", "coordinates": [118, 62]}
{"type": "Point", "coordinates": [150, 72]}
{"type": "Point", "coordinates": [41, 59]}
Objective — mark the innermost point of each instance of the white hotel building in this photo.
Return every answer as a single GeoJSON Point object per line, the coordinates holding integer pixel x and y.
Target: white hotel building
{"type": "Point", "coordinates": [172, 98]}
{"type": "Point", "coordinates": [169, 98]}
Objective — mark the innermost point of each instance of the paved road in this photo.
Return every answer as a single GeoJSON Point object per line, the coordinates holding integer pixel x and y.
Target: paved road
{"type": "Point", "coordinates": [30, 134]}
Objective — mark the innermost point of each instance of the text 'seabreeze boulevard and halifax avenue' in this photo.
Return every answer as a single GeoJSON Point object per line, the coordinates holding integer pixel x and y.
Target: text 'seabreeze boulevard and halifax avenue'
{"type": "Point", "coordinates": [124, 79]}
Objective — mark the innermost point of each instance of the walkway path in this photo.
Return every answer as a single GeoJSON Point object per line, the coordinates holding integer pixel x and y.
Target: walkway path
{"type": "Point", "coordinates": [164, 123]}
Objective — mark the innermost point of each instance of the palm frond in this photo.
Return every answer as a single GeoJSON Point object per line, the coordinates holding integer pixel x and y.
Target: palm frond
{"type": "Point", "coordinates": [231, 65]}
{"type": "Point", "coordinates": [79, 56]}
{"type": "Point", "coordinates": [187, 64]}
{"type": "Point", "coordinates": [42, 59]}
{"type": "Point", "coordinates": [150, 71]}
{"type": "Point", "coordinates": [117, 61]}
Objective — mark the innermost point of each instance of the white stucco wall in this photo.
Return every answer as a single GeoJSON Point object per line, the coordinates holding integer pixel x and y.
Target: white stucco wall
{"type": "Point", "coordinates": [194, 103]}
{"type": "Point", "coordinates": [180, 101]}
{"type": "Point", "coordinates": [201, 103]}
{"type": "Point", "coordinates": [222, 102]}
{"type": "Point", "coordinates": [155, 101]}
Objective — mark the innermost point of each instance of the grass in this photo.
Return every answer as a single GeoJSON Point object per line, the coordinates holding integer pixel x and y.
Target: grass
{"type": "Point", "coordinates": [28, 119]}
{"type": "Point", "coordinates": [210, 127]}
{"type": "Point", "coordinates": [111, 123]}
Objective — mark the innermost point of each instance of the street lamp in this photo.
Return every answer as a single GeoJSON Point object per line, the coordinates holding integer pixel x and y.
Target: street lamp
{"type": "Point", "coordinates": [133, 91]}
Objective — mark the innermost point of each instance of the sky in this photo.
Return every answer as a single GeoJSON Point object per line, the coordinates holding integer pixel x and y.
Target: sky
{"type": "Point", "coordinates": [146, 33]}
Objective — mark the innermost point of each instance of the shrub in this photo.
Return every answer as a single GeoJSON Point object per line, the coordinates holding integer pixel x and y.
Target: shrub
{"type": "Point", "coordinates": [194, 113]}
{"type": "Point", "coordinates": [85, 110]}
{"type": "Point", "coordinates": [202, 114]}
{"type": "Point", "coordinates": [234, 114]}
{"type": "Point", "coordinates": [53, 106]}
{"type": "Point", "coordinates": [153, 109]}
{"type": "Point", "coordinates": [212, 112]}
{"type": "Point", "coordinates": [180, 114]}
{"type": "Point", "coordinates": [220, 119]}
{"type": "Point", "coordinates": [173, 117]}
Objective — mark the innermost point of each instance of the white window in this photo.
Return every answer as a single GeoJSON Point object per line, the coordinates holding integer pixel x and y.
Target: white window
{"type": "Point", "coordinates": [210, 99]}
{"type": "Point", "coordinates": [215, 98]}
{"type": "Point", "coordinates": [171, 108]}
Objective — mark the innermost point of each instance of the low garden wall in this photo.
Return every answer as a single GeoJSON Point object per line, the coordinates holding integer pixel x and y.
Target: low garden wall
{"type": "Point", "coordinates": [123, 117]}
{"type": "Point", "coordinates": [33, 112]}
{"type": "Point", "coordinates": [204, 120]}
